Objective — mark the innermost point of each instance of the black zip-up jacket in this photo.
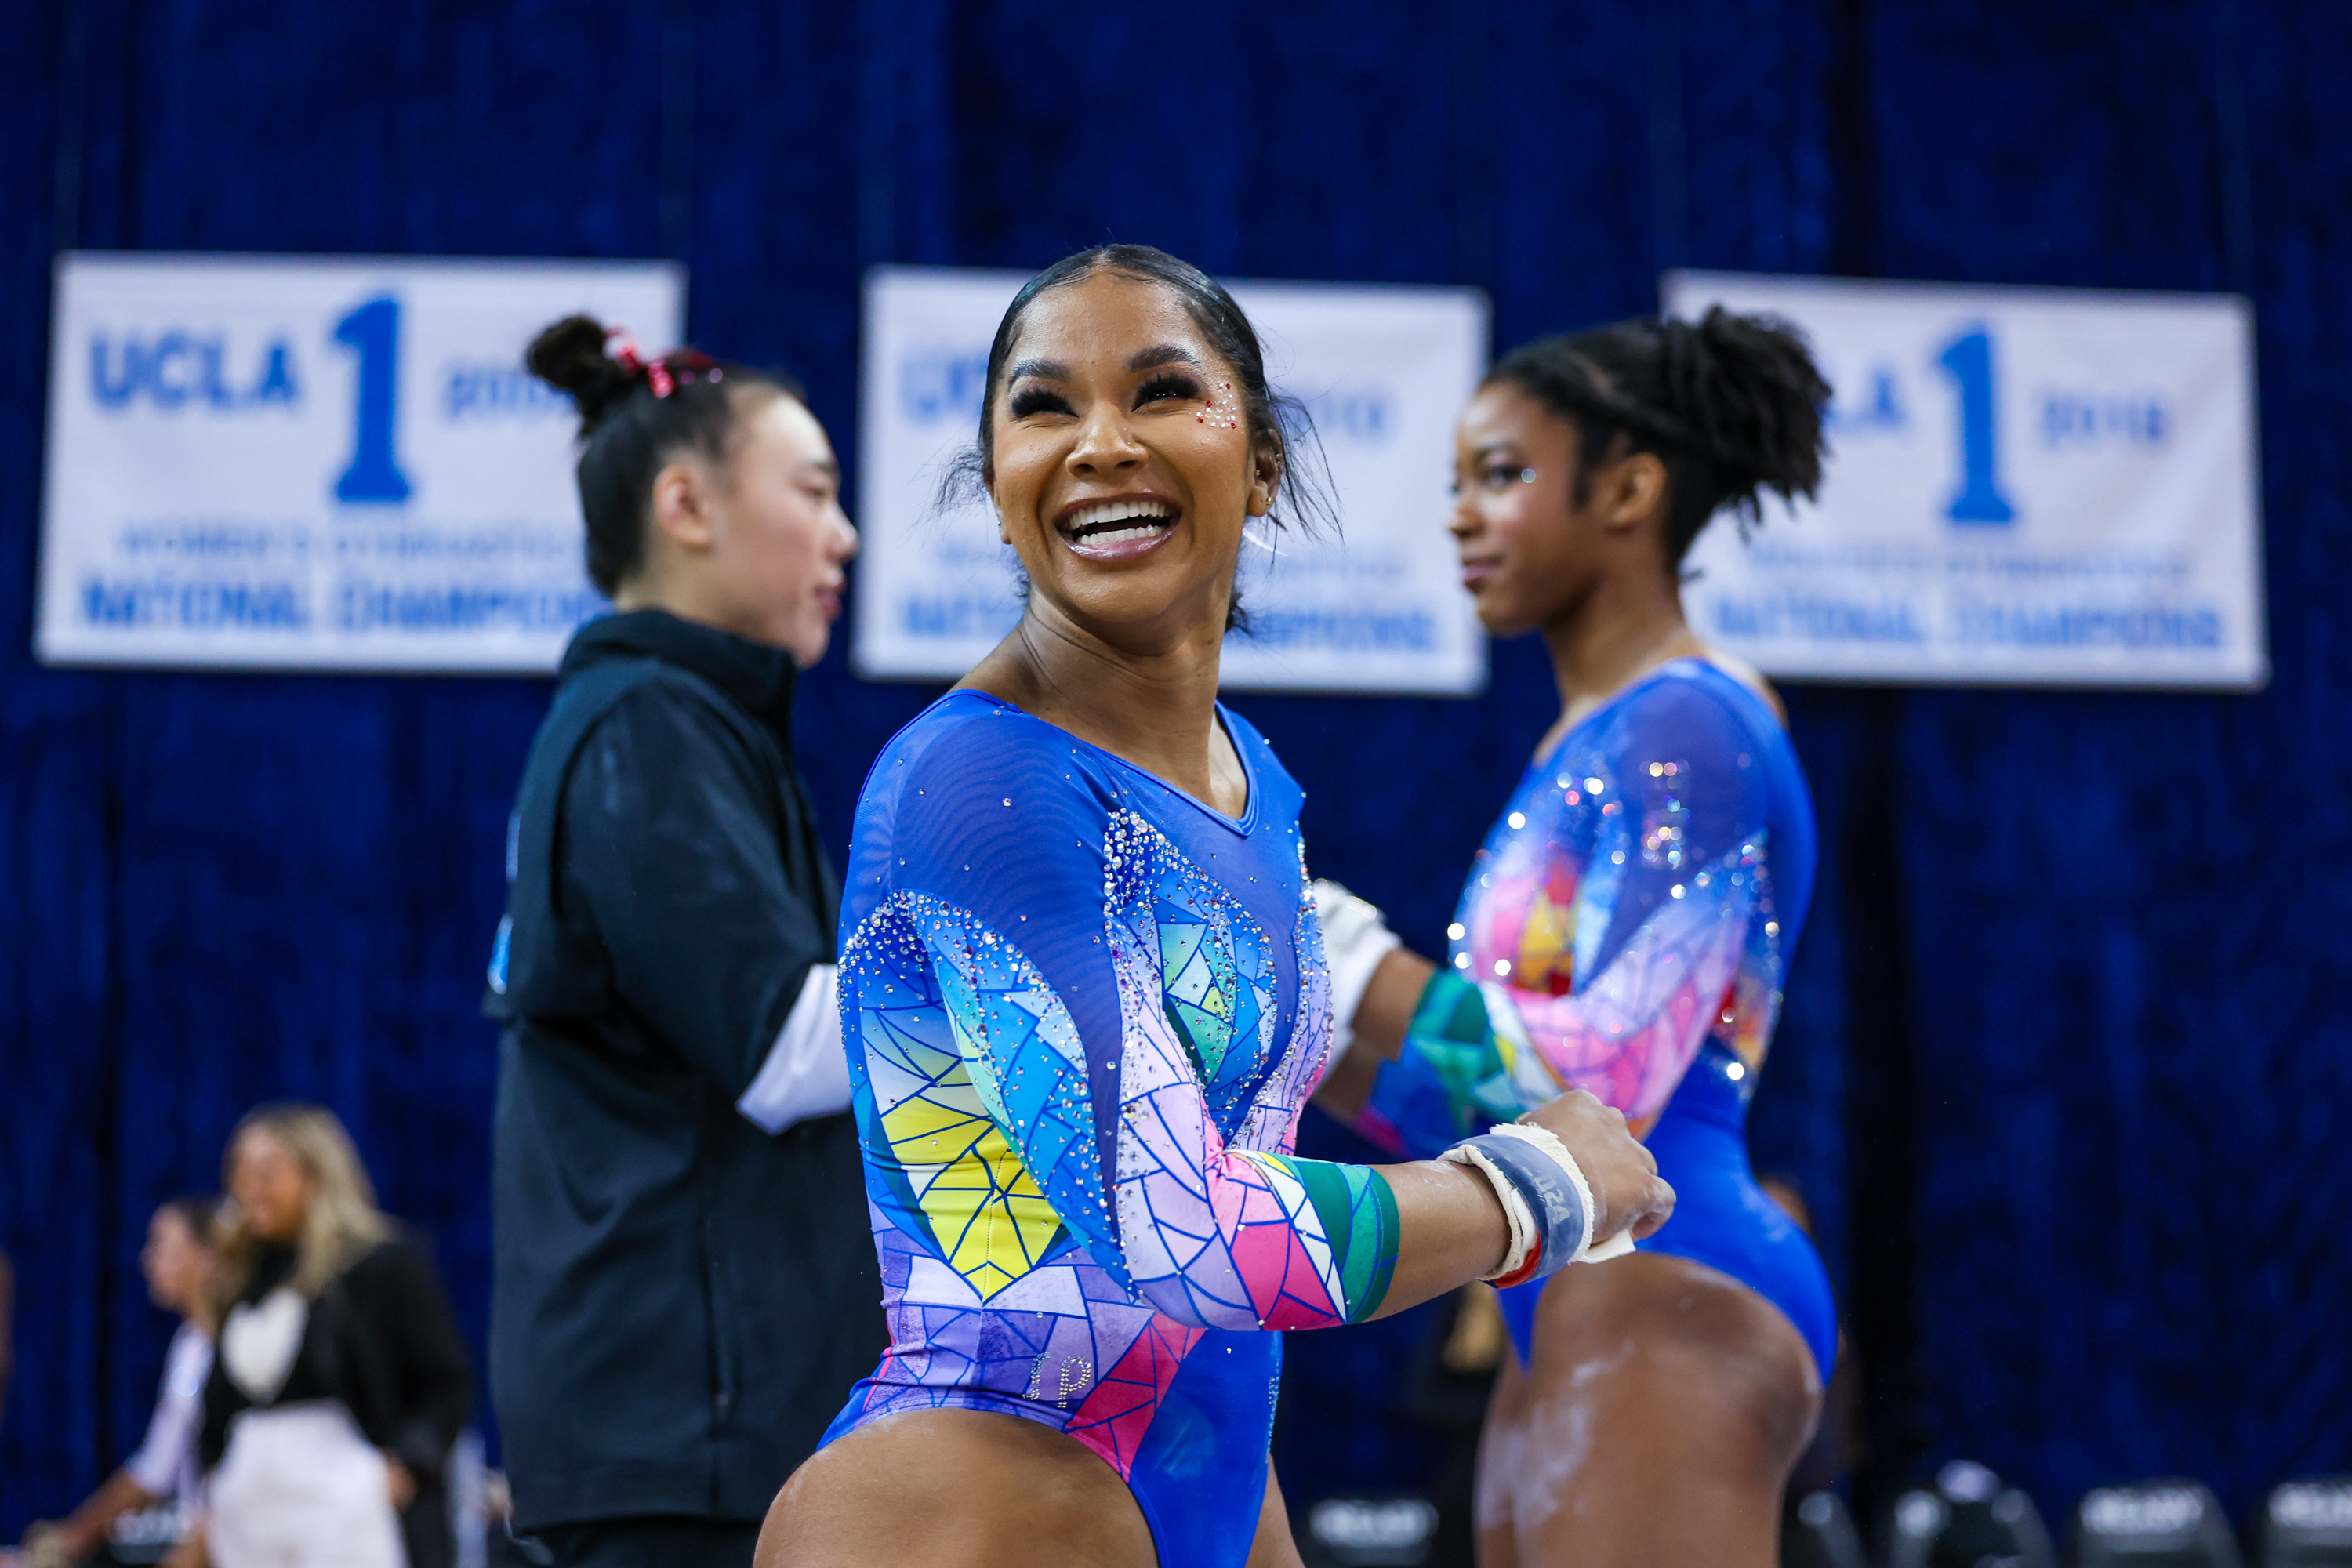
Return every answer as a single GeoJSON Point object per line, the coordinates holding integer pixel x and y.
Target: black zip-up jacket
{"type": "Point", "coordinates": [681, 1301]}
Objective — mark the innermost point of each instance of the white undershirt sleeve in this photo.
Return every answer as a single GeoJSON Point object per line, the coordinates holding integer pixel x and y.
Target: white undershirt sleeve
{"type": "Point", "coordinates": [1355, 938]}
{"type": "Point", "coordinates": [165, 1465]}
{"type": "Point", "coordinates": [806, 1073]}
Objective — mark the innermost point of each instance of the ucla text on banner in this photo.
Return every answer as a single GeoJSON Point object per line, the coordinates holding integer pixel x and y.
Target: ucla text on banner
{"type": "Point", "coordinates": [1383, 371]}
{"type": "Point", "coordinates": [2025, 485]}
{"type": "Point", "coordinates": [319, 463]}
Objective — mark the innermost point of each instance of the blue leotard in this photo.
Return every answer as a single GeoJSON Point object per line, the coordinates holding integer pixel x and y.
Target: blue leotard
{"type": "Point", "coordinates": [1625, 930]}
{"type": "Point", "coordinates": [1082, 1011]}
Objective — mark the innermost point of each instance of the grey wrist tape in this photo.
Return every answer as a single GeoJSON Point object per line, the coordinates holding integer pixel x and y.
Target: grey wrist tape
{"type": "Point", "coordinates": [1521, 1219]}
{"type": "Point", "coordinates": [1594, 1250]}
{"type": "Point", "coordinates": [1556, 1207]}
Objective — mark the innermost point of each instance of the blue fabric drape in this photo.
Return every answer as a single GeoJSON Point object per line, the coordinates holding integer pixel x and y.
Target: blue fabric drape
{"type": "Point", "coordinates": [2063, 1044]}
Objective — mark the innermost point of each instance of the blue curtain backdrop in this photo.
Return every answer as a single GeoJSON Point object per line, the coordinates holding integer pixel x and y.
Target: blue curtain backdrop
{"type": "Point", "coordinates": [2066, 1038]}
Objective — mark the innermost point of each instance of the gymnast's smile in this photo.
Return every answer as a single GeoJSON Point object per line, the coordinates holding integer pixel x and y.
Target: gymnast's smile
{"type": "Point", "coordinates": [1122, 466]}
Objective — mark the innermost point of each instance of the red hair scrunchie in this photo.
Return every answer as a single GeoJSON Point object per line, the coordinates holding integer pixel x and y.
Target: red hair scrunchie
{"type": "Point", "coordinates": [657, 370]}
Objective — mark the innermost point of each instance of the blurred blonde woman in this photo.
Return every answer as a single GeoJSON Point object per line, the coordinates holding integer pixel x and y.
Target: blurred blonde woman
{"type": "Point", "coordinates": [340, 1381]}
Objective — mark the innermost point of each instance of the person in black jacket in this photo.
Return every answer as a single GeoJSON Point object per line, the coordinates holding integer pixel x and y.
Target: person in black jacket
{"type": "Point", "coordinates": [340, 1381]}
{"type": "Point", "coordinates": [685, 1288]}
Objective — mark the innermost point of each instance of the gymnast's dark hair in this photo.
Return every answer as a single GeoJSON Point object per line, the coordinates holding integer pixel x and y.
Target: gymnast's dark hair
{"type": "Point", "coordinates": [1730, 404]}
{"type": "Point", "coordinates": [637, 414]}
{"type": "Point", "coordinates": [1276, 421]}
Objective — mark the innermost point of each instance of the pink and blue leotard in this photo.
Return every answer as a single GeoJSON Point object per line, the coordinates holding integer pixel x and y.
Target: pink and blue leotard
{"type": "Point", "coordinates": [1625, 930]}
{"type": "Point", "coordinates": [1082, 1011]}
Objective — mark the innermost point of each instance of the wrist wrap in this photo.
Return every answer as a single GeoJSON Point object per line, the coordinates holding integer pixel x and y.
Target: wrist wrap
{"type": "Point", "coordinates": [1544, 1196]}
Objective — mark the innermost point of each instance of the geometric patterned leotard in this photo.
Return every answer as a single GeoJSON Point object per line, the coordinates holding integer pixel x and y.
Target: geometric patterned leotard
{"type": "Point", "coordinates": [1625, 930]}
{"type": "Point", "coordinates": [1082, 1012]}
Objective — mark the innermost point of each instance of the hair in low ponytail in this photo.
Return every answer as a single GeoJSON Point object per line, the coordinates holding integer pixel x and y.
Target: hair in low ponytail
{"type": "Point", "coordinates": [1731, 404]}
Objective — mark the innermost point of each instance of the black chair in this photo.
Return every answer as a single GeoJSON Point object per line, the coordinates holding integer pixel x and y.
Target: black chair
{"type": "Point", "coordinates": [2307, 1524]}
{"type": "Point", "coordinates": [144, 1537]}
{"type": "Point", "coordinates": [1816, 1531]}
{"type": "Point", "coordinates": [2156, 1524]}
{"type": "Point", "coordinates": [1370, 1533]}
{"type": "Point", "coordinates": [1968, 1518]}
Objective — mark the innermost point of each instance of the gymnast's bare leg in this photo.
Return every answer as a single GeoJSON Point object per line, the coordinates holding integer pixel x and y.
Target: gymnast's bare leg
{"type": "Point", "coordinates": [1657, 1424]}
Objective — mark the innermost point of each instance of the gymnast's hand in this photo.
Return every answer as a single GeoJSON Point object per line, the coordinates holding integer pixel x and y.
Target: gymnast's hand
{"type": "Point", "coordinates": [1623, 1173]}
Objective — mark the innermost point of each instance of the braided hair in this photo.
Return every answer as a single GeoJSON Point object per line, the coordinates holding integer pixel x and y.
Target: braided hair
{"type": "Point", "coordinates": [636, 414]}
{"type": "Point", "coordinates": [1730, 404]}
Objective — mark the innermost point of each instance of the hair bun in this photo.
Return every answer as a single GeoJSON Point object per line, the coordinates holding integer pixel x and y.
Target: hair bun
{"type": "Point", "coordinates": [570, 356]}
{"type": "Point", "coordinates": [1748, 382]}
{"type": "Point", "coordinates": [1731, 403]}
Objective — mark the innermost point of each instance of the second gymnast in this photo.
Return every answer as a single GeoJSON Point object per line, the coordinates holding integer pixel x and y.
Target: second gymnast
{"type": "Point", "coordinates": [1624, 930]}
{"type": "Point", "coordinates": [1084, 998]}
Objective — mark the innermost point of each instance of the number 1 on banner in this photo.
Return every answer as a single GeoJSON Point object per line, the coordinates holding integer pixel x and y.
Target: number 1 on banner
{"type": "Point", "coordinates": [1968, 359]}
{"type": "Point", "coordinates": [374, 476]}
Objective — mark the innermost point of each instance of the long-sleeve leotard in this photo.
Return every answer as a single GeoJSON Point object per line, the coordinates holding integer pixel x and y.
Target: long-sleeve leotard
{"type": "Point", "coordinates": [1622, 912]}
{"type": "Point", "coordinates": [1082, 1012]}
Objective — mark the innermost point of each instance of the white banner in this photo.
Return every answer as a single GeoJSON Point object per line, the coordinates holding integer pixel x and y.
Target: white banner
{"type": "Point", "coordinates": [319, 463]}
{"type": "Point", "coordinates": [1385, 371]}
{"type": "Point", "coordinates": [2025, 485]}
